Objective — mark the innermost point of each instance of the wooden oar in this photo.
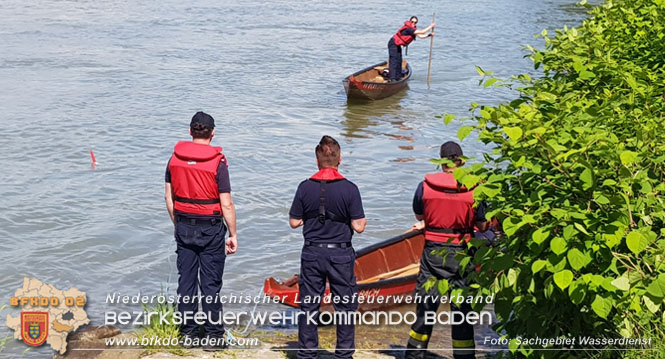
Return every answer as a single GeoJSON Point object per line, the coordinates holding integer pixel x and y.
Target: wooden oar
{"type": "Point", "coordinates": [431, 45]}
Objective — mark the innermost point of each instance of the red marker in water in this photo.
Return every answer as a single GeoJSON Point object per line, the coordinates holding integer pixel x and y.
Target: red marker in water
{"type": "Point", "coordinates": [94, 161]}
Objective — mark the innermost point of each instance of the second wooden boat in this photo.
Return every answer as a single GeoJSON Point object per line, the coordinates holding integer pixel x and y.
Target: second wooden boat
{"type": "Point", "coordinates": [386, 269]}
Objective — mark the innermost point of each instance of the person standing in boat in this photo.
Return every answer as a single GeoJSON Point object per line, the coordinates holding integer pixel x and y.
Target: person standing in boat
{"type": "Point", "coordinates": [198, 197]}
{"type": "Point", "coordinates": [330, 209]}
{"type": "Point", "coordinates": [449, 218]}
{"type": "Point", "coordinates": [404, 36]}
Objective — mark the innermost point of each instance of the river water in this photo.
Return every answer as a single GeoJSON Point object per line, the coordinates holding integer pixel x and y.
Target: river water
{"type": "Point", "coordinates": [124, 77]}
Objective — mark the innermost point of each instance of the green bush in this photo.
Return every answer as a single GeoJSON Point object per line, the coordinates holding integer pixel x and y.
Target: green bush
{"type": "Point", "coordinates": [576, 176]}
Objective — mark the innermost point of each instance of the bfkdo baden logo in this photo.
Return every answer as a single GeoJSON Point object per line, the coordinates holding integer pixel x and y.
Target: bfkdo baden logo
{"type": "Point", "coordinates": [47, 314]}
{"type": "Point", "coordinates": [34, 327]}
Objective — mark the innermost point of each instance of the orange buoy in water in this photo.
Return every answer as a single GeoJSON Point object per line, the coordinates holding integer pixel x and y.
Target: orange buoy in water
{"type": "Point", "coordinates": [94, 161]}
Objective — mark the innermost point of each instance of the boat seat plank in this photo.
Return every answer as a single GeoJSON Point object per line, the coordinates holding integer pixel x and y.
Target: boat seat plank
{"type": "Point", "coordinates": [401, 272]}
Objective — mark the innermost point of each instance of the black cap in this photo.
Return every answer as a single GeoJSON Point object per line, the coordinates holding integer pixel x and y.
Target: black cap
{"type": "Point", "coordinates": [451, 151]}
{"type": "Point", "coordinates": [204, 119]}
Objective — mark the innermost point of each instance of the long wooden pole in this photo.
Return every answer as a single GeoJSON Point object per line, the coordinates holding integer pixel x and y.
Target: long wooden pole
{"type": "Point", "coordinates": [431, 45]}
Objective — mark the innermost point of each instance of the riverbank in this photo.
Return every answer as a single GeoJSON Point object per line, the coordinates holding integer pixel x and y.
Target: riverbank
{"type": "Point", "coordinates": [386, 341]}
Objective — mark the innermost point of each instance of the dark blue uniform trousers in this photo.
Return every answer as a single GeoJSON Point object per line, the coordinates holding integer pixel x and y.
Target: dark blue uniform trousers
{"type": "Point", "coordinates": [201, 256]}
{"type": "Point", "coordinates": [433, 265]}
{"type": "Point", "coordinates": [395, 59]}
{"type": "Point", "coordinates": [335, 265]}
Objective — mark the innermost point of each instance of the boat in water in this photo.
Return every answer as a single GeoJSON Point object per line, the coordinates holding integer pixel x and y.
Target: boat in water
{"type": "Point", "coordinates": [371, 83]}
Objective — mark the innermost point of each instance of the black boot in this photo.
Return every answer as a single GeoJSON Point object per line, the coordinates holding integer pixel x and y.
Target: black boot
{"type": "Point", "coordinates": [414, 352]}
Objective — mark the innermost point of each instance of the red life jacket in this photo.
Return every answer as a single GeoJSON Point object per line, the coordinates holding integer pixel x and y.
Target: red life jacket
{"type": "Point", "coordinates": [193, 168]}
{"type": "Point", "coordinates": [322, 214]}
{"type": "Point", "coordinates": [404, 40]}
{"type": "Point", "coordinates": [327, 174]}
{"type": "Point", "coordinates": [449, 214]}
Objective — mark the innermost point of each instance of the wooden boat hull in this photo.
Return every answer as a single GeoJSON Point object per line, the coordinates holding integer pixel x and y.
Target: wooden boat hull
{"type": "Point", "coordinates": [368, 85]}
{"type": "Point", "coordinates": [399, 255]}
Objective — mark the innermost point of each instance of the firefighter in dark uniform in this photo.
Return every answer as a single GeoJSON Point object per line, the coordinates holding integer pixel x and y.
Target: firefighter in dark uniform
{"type": "Point", "coordinates": [329, 208]}
{"type": "Point", "coordinates": [198, 197]}
{"type": "Point", "coordinates": [402, 38]}
{"type": "Point", "coordinates": [449, 219]}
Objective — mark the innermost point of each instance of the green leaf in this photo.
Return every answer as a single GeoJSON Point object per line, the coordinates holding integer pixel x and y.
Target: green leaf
{"type": "Point", "coordinates": [585, 75]}
{"type": "Point", "coordinates": [609, 182]}
{"type": "Point", "coordinates": [577, 259]}
{"type": "Point", "coordinates": [558, 213]}
{"type": "Point", "coordinates": [630, 80]}
{"type": "Point", "coordinates": [607, 284]}
{"type": "Point", "coordinates": [622, 283]}
{"type": "Point", "coordinates": [636, 304]}
{"type": "Point", "coordinates": [464, 131]}
{"type": "Point", "coordinates": [577, 291]}
{"type": "Point", "coordinates": [537, 266]}
{"type": "Point", "coordinates": [515, 133]}
{"type": "Point", "coordinates": [587, 179]}
{"type": "Point", "coordinates": [459, 173]}
{"type": "Point", "coordinates": [558, 245]}
{"type": "Point", "coordinates": [601, 199]}
{"type": "Point", "coordinates": [469, 181]}
{"type": "Point", "coordinates": [650, 304]}
{"type": "Point", "coordinates": [562, 279]}
{"type": "Point", "coordinates": [447, 118]}
{"type": "Point", "coordinates": [463, 263]}
{"type": "Point", "coordinates": [489, 189]}
{"type": "Point", "coordinates": [442, 286]}
{"type": "Point", "coordinates": [628, 157]}
{"type": "Point", "coordinates": [490, 82]}
{"type": "Point", "coordinates": [512, 276]}
{"type": "Point", "coordinates": [636, 242]}
{"type": "Point", "coordinates": [657, 287]}
{"type": "Point", "coordinates": [429, 284]}
{"type": "Point", "coordinates": [513, 345]}
{"type": "Point", "coordinates": [480, 71]}
{"type": "Point", "coordinates": [569, 232]}
{"type": "Point", "coordinates": [512, 225]}
{"type": "Point", "coordinates": [581, 228]}
{"type": "Point", "coordinates": [540, 235]}
{"type": "Point", "coordinates": [602, 306]}
{"type": "Point", "coordinates": [556, 263]}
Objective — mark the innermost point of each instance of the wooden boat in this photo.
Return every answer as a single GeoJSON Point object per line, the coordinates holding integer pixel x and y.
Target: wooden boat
{"type": "Point", "coordinates": [369, 84]}
{"type": "Point", "coordinates": [385, 269]}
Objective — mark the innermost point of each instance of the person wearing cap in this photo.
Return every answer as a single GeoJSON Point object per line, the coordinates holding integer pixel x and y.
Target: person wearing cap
{"type": "Point", "coordinates": [450, 215]}
{"type": "Point", "coordinates": [330, 209]}
{"type": "Point", "coordinates": [198, 199]}
{"type": "Point", "coordinates": [402, 38]}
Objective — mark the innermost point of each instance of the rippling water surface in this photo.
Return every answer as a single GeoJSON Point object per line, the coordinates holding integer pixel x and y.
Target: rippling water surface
{"type": "Point", "coordinates": [124, 78]}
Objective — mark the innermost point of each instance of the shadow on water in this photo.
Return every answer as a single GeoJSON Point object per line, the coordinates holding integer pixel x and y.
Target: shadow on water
{"type": "Point", "coordinates": [360, 115]}
{"type": "Point", "coordinates": [575, 8]}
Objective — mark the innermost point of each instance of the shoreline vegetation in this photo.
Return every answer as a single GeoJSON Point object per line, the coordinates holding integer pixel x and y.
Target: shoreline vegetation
{"type": "Point", "coordinates": [576, 176]}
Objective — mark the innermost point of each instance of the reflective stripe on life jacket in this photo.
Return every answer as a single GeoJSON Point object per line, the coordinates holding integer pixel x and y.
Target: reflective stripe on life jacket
{"type": "Point", "coordinates": [449, 214]}
{"type": "Point", "coordinates": [404, 40]}
{"type": "Point", "coordinates": [324, 176]}
{"type": "Point", "coordinates": [193, 168]}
